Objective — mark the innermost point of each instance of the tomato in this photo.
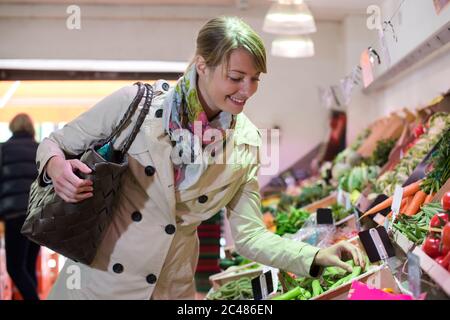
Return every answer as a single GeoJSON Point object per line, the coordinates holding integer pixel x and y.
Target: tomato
{"type": "Point", "coordinates": [439, 220]}
{"type": "Point", "coordinates": [431, 246]}
{"type": "Point", "coordinates": [446, 235]}
{"type": "Point", "coordinates": [445, 201]}
{"type": "Point", "coordinates": [444, 261]}
{"type": "Point", "coordinates": [418, 131]}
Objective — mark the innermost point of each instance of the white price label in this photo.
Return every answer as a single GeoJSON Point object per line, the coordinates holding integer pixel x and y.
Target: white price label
{"type": "Point", "coordinates": [396, 203]}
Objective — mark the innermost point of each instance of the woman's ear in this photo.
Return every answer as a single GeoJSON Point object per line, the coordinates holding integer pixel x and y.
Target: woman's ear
{"type": "Point", "coordinates": [200, 65]}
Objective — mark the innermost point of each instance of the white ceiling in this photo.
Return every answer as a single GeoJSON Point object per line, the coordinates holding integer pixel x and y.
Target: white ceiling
{"type": "Point", "coordinates": [322, 9]}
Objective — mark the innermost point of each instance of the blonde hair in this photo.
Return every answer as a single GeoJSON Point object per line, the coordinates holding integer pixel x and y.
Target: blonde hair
{"type": "Point", "coordinates": [220, 36]}
{"type": "Point", "coordinates": [22, 122]}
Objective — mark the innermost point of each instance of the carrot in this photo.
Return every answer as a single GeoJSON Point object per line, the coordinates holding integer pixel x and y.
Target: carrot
{"type": "Point", "coordinates": [405, 203]}
{"type": "Point", "coordinates": [415, 204]}
{"type": "Point", "coordinates": [409, 190]}
{"type": "Point", "coordinates": [429, 198]}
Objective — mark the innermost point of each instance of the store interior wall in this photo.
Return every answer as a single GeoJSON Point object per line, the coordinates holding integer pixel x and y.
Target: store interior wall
{"type": "Point", "coordinates": [414, 23]}
{"type": "Point", "coordinates": [288, 97]}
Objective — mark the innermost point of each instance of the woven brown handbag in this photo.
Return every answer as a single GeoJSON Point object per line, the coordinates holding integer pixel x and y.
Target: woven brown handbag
{"type": "Point", "coordinates": [75, 230]}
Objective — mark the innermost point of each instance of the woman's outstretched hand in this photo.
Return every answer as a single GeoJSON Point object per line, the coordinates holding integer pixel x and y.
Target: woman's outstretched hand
{"type": "Point", "coordinates": [67, 185]}
{"type": "Point", "coordinates": [332, 256]}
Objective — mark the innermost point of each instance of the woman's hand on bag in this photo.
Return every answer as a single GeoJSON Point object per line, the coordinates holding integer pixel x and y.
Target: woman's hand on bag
{"type": "Point", "coordinates": [67, 185]}
{"type": "Point", "coordinates": [332, 256]}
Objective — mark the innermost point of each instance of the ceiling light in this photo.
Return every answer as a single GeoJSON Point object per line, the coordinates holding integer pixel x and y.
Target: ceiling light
{"type": "Point", "coordinates": [289, 17]}
{"type": "Point", "coordinates": [293, 47]}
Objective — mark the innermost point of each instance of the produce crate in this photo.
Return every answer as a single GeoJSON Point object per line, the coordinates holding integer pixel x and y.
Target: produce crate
{"type": "Point", "coordinates": [322, 203]}
{"type": "Point", "coordinates": [234, 273]}
{"type": "Point", "coordinates": [434, 270]}
{"type": "Point", "coordinates": [402, 241]}
{"type": "Point", "coordinates": [343, 289]}
{"type": "Point", "coordinates": [379, 277]}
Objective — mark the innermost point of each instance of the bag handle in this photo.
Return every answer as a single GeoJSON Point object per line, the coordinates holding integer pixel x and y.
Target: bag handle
{"type": "Point", "coordinates": [140, 119]}
{"type": "Point", "coordinates": [129, 113]}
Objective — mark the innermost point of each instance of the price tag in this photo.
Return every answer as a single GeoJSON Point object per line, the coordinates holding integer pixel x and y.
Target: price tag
{"type": "Point", "coordinates": [377, 244]}
{"type": "Point", "coordinates": [414, 274]}
{"type": "Point", "coordinates": [324, 216]}
{"type": "Point", "coordinates": [262, 286]}
{"type": "Point", "coordinates": [379, 219]}
{"type": "Point", "coordinates": [348, 203]}
{"type": "Point", "coordinates": [340, 197]}
{"type": "Point", "coordinates": [396, 202]}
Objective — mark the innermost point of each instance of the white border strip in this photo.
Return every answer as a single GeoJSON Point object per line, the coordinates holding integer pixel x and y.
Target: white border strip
{"type": "Point", "coordinates": [94, 65]}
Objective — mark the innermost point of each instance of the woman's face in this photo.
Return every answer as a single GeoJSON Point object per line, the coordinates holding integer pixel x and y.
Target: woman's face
{"type": "Point", "coordinates": [227, 89]}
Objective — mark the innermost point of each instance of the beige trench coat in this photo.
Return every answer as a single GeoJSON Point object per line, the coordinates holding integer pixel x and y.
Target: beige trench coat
{"type": "Point", "coordinates": [150, 251]}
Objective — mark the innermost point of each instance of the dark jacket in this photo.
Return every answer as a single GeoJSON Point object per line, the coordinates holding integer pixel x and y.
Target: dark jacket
{"type": "Point", "coordinates": [17, 172]}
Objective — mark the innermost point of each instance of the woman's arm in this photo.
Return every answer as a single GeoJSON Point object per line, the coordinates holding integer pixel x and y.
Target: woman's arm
{"type": "Point", "coordinates": [254, 241]}
{"type": "Point", "coordinates": [93, 125]}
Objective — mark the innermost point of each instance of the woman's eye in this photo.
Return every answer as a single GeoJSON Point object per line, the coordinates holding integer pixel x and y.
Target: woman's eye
{"type": "Point", "coordinates": [235, 79]}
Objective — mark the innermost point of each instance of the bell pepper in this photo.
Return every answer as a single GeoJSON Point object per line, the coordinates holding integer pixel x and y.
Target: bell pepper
{"type": "Point", "coordinates": [439, 220]}
{"type": "Point", "coordinates": [446, 238]}
{"type": "Point", "coordinates": [431, 246]}
{"type": "Point", "coordinates": [444, 261]}
{"type": "Point", "coordinates": [445, 201]}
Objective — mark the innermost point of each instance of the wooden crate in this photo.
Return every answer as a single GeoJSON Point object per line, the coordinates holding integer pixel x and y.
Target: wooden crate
{"type": "Point", "coordinates": [234, 273]}
{"type": "Point", "coordinates": [434, 270]}
{"type": "Point", "coordinates": [322, 203]}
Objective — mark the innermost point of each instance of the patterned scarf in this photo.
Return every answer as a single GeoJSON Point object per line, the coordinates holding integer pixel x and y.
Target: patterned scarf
{"type": "Point", "coordinates": [186, 123]}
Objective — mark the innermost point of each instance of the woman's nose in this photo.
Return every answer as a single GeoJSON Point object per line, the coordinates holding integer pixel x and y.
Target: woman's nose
{"type": "Point", "coordinates": [248, 88]}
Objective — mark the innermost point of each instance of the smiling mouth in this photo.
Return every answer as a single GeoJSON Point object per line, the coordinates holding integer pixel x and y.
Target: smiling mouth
{"type": "Point", "coordinates": [237, 101]}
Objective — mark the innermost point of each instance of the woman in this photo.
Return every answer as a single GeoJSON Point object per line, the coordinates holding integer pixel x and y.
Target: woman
{"type": "Point", "coordinates": [151, 248]}
{"type": "Point", "coordinates": [17, 172]}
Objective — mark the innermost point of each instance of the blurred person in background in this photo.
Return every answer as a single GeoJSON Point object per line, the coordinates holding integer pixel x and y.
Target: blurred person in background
{"type": "Point", "coordinates": [17, 172]}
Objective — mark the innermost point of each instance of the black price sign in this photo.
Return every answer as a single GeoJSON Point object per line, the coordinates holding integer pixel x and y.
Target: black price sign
{"type": "Point", "coordinates": [324, 216]}
{"type": "Point", "coordinates": [377, 244]}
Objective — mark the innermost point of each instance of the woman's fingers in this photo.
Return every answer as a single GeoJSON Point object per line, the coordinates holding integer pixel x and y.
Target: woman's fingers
{"type": "Point", "coordinates": [336, 261]}
{"type": "Point", "coordinates": [355, 252]}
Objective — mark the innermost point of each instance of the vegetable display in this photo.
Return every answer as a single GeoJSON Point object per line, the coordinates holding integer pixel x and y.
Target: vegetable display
{"type": "Point", "coordinates": [339, 212]}
{"type": "Point", "coordinates": [290, 222]}
{"type": "Point", "coordinates": [381, 153]}
{"type": "Point", "coordinates": [358, 178]}
{"type": "Point", "coordinates": [235, 290]}
{"type": "Point", "coordinates": [440, 161]}
{"type": "Point", "coordinates": [437, 242]}
{"type": "Point", "coordinates": [415, 227]}
{"type": "Point", "coordinates": [312, 193]}
{"type": "Point", "coordinates": [438, 124]}
{"type": "Point", "coordinates": [307, 288]}
{"type": "Point", "coordinates": [408, 191]}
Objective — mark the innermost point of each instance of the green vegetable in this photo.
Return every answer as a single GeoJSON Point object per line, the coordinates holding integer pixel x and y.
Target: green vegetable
{"type": "Point", "coordinates": [441, 166]}
{"type": "Point", "coordinates": [439, 123]}
{"type": "Point", "coordinates": [356, 272]}
{"type": "Point", "coordinates": [339, 212]}
{"type": "Point", "coordinates": [316, 288]}
{"type": "Point", "coordinates": [415, 227]}
{"type": "Point", "coordinates": [381, 153]}
{"type": "Point", "coordinates": [290, 222]}
{"type": "Point", "coordinates": [290, 295]}
{"type": "Point", "coordinates": [358, 178]}
{"type": "Point", "coordinates": [234, 290]}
